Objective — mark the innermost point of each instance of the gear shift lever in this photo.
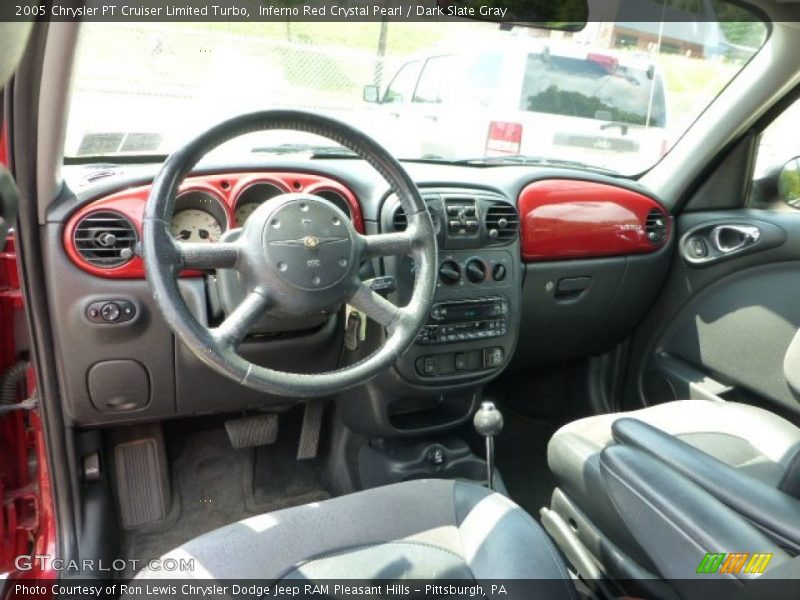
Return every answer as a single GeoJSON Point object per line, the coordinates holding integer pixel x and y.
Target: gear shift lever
{"type": "Point", "coordinates": [488, 422]}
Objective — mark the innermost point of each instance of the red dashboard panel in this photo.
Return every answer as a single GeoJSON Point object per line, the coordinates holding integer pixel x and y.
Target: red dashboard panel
{"type": "Point", "coordinates": [564, 218]}
{"type": "Point", "coordinates": [226, 188]}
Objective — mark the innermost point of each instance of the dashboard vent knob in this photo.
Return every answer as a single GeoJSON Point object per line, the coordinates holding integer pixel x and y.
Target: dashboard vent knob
{"type": "Point", "coordinates": [105, 239]}
{"type": "Point", "coordinates": [502, 223]}
{"type": "Point", "coordinates": [655, 226]}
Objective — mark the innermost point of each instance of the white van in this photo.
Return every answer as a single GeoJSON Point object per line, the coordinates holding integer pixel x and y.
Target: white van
{"type": "Point", "coordinates": [560, 102]}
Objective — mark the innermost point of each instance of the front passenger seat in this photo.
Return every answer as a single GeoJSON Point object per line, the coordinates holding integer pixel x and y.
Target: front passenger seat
{"type": "Point", "coordinates": [747, 457]}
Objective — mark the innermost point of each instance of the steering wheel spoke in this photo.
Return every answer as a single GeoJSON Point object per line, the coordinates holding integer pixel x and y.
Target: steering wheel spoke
{"type": "Point", "coordinates": [388, 244]}
{"type": "Point", "coordinates": [234, 328]}
{"type": "Point", "coordinates": [376, 307]}
{"type": "Point", "coordinates": [217, 255]}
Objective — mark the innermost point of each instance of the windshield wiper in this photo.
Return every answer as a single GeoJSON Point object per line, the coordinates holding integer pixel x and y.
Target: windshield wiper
{"type": "Point", "coordinates": [312, 149]}
{"type": "Point", "coordinates": [525, 159]}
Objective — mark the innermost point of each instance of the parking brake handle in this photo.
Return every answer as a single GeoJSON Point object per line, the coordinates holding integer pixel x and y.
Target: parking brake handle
{"type": "Point", "coordinates": [488, 423]}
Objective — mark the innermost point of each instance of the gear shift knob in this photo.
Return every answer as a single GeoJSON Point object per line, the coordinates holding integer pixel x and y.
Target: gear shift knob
{"type": "Point", "coordinates": [488, 422]}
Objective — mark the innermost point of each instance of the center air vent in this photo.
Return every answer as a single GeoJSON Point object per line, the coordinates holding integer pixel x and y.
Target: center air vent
{"type": "Point", "coordinates": [502, 222]}
{"type": "Point", "coordinates": [656, 226]}
{"type": "Point", "coordinates": [400, 221]}
{"type": "Point", "coordinates": [105, 239]}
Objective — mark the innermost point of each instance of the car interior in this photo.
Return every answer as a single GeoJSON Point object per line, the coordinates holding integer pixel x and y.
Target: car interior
{"type": "Point", "coordinates": [306, 367]}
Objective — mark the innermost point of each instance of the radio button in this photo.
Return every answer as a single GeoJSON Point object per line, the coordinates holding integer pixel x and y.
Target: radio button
{"type": "Point", "coordinates": [492, 357]}
{"type": "Point", "coordinates": [429, 365]}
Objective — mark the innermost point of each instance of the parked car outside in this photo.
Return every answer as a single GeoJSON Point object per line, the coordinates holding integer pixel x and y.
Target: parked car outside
{"type": "Point", "coordinates": [564, 102]}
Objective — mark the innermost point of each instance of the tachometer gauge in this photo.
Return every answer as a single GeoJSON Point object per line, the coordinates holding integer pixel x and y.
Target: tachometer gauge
{"type": "Point", "coordinates": [244, 210]}
{"type": "Point", "coordinates": [194, 225]}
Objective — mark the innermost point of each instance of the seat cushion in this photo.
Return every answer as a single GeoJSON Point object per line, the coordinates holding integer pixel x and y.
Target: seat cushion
{"type": "Point", "coordinates": [424, 529]}
{"type": "Point", "coordinates": [749, 439]}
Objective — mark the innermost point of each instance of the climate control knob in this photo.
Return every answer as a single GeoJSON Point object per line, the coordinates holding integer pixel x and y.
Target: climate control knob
{"type": "Point", "coordinates": [476, 270]}
{"type": "Point", "coordinates": [499, 272]}
{"type": "Point", "coordinates": [449, 272]}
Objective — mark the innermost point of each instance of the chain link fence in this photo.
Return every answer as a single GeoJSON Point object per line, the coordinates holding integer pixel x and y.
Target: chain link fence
{"type": "Point", "coordinates": [175, 79]}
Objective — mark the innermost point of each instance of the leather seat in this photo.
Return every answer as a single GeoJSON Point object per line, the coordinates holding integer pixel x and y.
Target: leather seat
{"type": "Point", "coordinates": [753, 445]}
{"type": "Point", "coordinates": [424, 529]}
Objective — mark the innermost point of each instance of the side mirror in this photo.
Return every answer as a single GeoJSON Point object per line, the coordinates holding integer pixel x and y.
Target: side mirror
{"type": "Point", "coordinates": [789, 182]}
{"type": "Point", "coordinates": [371, 93]}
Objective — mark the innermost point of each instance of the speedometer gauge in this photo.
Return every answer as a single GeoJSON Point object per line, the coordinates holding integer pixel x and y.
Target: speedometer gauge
{"type": "Point", "coordinates": [194, 225]}
{"type": "Point", "coordinates": [243, 211]}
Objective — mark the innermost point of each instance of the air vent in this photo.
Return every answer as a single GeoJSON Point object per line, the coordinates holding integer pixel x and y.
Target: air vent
{"type": "Point", "coordinates": [502, 222]}
{"type": "Point", "coordinates": [105, 239]}
{"type": "Point", "coordinates": [400, 221]}
{"type": "Point", "coordinates": [656, 226]}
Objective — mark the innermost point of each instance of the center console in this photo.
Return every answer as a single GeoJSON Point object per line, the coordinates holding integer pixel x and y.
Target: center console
{"type": "Point", "coordinates": [472, 327]}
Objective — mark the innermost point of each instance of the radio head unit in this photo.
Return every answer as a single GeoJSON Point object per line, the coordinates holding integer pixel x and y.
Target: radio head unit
{"type": "Point", "coordinates": [464, 320]}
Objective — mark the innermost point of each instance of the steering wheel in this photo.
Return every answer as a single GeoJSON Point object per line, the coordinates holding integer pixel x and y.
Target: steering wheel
{"type": "Point", "coordinates": [298, 255]}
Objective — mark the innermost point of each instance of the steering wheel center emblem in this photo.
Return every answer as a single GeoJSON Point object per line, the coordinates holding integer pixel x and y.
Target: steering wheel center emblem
{"type": "Point", "coordinates": [309, 243]}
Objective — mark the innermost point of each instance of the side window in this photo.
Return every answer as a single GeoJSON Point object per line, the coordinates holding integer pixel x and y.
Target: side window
{"type": "Point", "coordinates": [402, 86]}
{"type": "Point", "coordinates": [776, 175]}
{"type": "Point", "coordinates": [434, 82]}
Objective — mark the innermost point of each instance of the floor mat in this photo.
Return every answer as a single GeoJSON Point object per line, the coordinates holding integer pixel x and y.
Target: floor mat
{"type": "Point", "coordinates": [214, 485]}
{"type": "Point", "coordinates": [208, 485]}
{"type": "Point", "coordinates": [522, 460]}
{"type": "Point", "coordinates": [279, 480]}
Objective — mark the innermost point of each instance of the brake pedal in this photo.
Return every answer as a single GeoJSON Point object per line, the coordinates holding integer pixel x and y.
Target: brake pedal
{"type": "Point", "coordinates": [248, 432]}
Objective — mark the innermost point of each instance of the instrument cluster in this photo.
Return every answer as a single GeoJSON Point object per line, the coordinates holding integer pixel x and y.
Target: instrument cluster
{"type": "Point", "coordinates": [205, 208]}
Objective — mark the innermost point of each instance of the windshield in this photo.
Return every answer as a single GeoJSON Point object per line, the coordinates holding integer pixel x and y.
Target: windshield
{"type": "Point", "coordinates": [614, 95]}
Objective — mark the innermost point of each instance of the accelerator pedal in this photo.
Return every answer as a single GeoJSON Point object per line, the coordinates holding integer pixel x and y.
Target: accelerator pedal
{"type": "Point", "coordinates": [312, 426]}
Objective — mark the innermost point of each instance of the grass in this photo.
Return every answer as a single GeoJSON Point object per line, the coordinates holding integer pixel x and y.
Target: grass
{"type": "Point", "coordinates": [693, 83]}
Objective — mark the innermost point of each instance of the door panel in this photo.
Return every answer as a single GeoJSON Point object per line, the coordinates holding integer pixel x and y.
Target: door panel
{"type": "Point", "coordinates": [723, 328]}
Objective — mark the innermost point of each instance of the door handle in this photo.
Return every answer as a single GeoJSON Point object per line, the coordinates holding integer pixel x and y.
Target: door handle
{"type": "Point", "coordinates": [732, 238]}
{"type": "Point", "coordinates": [706, 243]}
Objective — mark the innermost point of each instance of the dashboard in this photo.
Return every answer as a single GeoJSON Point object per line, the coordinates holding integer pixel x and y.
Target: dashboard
{"type": "Point", "coordinates": [535, 265]}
